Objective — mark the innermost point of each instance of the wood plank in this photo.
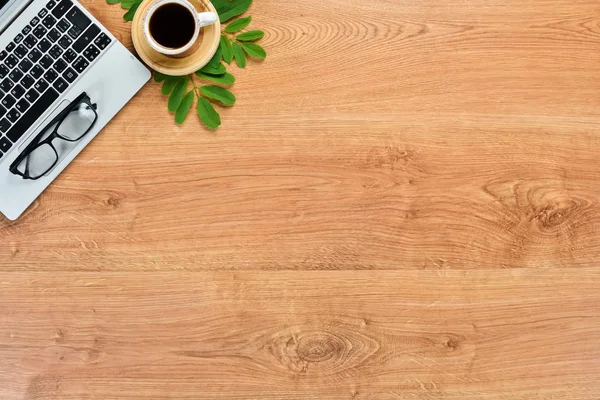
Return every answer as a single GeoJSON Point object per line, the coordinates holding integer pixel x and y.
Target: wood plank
{"type": "Point", "coordinates": [494, 334]}
{"type": "Point", "coordinates": [402, 204]}
{"type": "Point", "coordinates": [462, 134]}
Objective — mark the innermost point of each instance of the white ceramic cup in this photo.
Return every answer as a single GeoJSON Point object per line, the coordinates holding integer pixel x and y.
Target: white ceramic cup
{"type": "Point", "coordinates": [201, 19]}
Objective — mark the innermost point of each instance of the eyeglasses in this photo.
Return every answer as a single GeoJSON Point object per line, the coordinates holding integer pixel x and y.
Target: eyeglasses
{"type": "Point", "coordinates": [71, 125]}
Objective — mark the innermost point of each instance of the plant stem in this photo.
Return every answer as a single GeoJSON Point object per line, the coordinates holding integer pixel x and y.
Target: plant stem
{"type": "Point", "coordinates": [196, 87]}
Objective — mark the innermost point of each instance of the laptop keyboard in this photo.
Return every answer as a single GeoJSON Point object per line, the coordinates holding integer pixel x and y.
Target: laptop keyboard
{"type": "Point", "coordinates": [41, 62]}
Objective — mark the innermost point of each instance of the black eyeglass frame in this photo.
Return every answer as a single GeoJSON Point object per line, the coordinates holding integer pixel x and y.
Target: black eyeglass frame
{"type": "Point", "coordinates": [83, 98]}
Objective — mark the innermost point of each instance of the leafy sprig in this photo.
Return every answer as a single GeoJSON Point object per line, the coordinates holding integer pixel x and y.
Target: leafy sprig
{"type": "Point", "coordinates": [181, 99]}
{"type": "Point", "coordinates": [233, 45]}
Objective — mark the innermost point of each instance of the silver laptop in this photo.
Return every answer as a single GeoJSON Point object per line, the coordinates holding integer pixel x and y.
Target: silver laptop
{"type": "Point", "coordinates": [63, 76]}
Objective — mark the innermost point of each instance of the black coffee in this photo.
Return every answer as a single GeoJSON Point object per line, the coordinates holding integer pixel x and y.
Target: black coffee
{"type": "Point", "coordinates": [172, 25]}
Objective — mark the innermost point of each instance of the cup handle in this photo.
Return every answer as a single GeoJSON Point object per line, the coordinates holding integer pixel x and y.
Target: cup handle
{"type": "Point", "coordinates": [207, 18]}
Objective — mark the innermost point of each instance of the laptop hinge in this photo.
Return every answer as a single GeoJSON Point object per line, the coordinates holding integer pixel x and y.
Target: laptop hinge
{"type": "Point", "coordinates": [13, 10]}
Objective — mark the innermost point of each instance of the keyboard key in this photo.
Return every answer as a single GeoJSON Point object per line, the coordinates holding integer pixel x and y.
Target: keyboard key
{"type": "Point", "coordinates": [60, 85]}
{"type": "Point", "coordinates": [55, 51]}
{"type": "Point", "coordinates": [10, 47]}
{"type": "Point", "coordinates": [50, 5]}
{"type": "Point", "coordinates": [75, 31]}
{"type": "Point", "coordinates": [25, 65]}
{"type": "Point", "coordinates": [80, 64]}
{"type": "Point", "coordinates": [32, 95]}
{"type": "Point", "coordinates": [43, 13]}
{"type": "Point", "coordinates": [2, 111]}
{"type": "Point", "coordinates": [69, 55]}
{"type": "Point", "coordinates": [40, 31]}
{"type": "Point", "coordinates": [65, 42]}
{"type": "Point", "coordinates": [3, 55]}
{"type": "Point", "coordinates": [34, 112]}
{"type": "Point", "coordinates": [41, 85]}
{"type": "Point", "coordinates": [102, 41]}
{"type": "Point", "coordinates": [17, 91]}
{"type": "Point", "coordinates": [8, 101]}
{"type": "Point", "coordinates": [27, 81]}
{"type": "Point", "coordinates": [70, 75]}
{"type": "Point", "coordinates": [22, 105]}
{"type": "Point", "coordinates": [49, 21]}
{"type": "Point", "coordinates": [6, 85]}
{"type": "Point", "coordinates": [30, 41]}
{"type": "Point", "coordinates": [5, 144]}
{"type": "Point", "coordinates": [78, 18]}
{"type": "Point", "coordinates": [34, 55]}
{"type": "Point", "coordinates": [53, 35]}
{"type": "Point", "coordinates": [50, 75]}
{"type": "Point", "coordinates": [18, 38]}
{"type": "Point", "coordinates": [63, 25]}
{"type": "Point", "coordinates": [36, 71]}
{"type": "Point", "coordinates": [62, 8]}
{"type": "Point", "coordinates": [13, 115]}
{"type": "Point", "coordinates": [46, 61]}
{"type": "Point", "coordinates": [44, 45]}
{"type": "Point", "coordinates": [35, 21]}
{"type": "Point", "coordinates": [60, 65]}
{"type": "Point", "coordinates": [4, 125]}
{"type": "Point", "coordinates": [91, 52]}
{"type": "Point", "coordinates": [86, 38]}
{"type": "Point", "coordinates": [11, 61]}
{"type": "Point", "coordinates": [26, 30]}
{"type": "Point", "coordinates": [20, 51]}
{"type": "Point", "coordinates": [15, 75]}
{"type": "Point", "coordinates": [3, 71]}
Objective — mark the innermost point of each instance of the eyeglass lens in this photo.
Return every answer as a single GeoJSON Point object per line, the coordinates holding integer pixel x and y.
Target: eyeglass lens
{"type": "Point", "coordinates": [77, 122]}
{"type": "Point", "coordinates": [39, 162]}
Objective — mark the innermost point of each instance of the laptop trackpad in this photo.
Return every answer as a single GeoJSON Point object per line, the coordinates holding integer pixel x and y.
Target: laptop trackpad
{"type": "Point", "coordinates": [63, 147]}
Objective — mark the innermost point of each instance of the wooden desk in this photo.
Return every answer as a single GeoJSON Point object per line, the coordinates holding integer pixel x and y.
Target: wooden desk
{"type": "Point", "coordinates": [403, 204]}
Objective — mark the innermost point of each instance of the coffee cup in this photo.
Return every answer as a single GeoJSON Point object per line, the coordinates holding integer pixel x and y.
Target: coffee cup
{"type": "Point", "coordinates": [173, 27]}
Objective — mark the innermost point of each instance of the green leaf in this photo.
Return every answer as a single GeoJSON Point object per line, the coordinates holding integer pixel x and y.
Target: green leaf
{"type": "Point", "coordinates": [207, 113]}
{"type": "Point", "coordinates": [223, 5]}
{"type": "Point", "coordinates": [238, 25]}
{"type": "Point", "coordinates": [129, 3]}
{"type": "Point", "coordinates": [226, 49]}
{"type": "Point", "coordinates": [218, 93]}
{"type": "Point", "coordinates": [225, 79]}
{"type": "Point", "coordinates": [177, 95]}
{"type": "Point", "coordinates": [216, 59]}
{"type": "Point", "coordinates": [254, 50]}
{"type": "Point", "coordinates": [129, 14]}
{"type": "Point", "coordinates": [184, 107]}
{"type": "Point", "coordinates": [170, 83]}
{"type": "Point", "coordinates": [250, 36]}
{"type": "Point", "coordinates": [220, 70]}
{"type": "Point", "coordinates": [240, 57]}
{"type": "Point", "coordinates": [233, 9]}
{"type": "Point", "coordinates": [218, 3]}
{"type": "Point", "coordinates": [158, 77]}
{"type": "Point", "coordinates": [113, 1]}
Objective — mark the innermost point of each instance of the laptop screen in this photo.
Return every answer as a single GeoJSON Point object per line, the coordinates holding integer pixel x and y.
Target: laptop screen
{"type": "Point", "coordinates": [3, 3]}
{"type": "Point", "coordinates": [9, 8]}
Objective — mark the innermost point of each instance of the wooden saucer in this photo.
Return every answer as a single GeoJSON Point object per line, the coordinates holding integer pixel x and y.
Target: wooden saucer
{"type": "Point", "coordinates": [210, 36]}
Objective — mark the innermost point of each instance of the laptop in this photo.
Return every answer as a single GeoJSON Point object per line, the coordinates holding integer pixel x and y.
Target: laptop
{"type": "Point", "coordinates": [63, 77]}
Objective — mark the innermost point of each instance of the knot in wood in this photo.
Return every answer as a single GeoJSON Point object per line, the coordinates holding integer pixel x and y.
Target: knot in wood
{"type": "Point", "coordinates": [320, 347]}
{"type": "Point", "coordinates": [555, 214]}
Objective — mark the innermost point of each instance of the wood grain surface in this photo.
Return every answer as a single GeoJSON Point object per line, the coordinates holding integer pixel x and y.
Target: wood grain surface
{"type": "Point", "coordinates": [403, 204]}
